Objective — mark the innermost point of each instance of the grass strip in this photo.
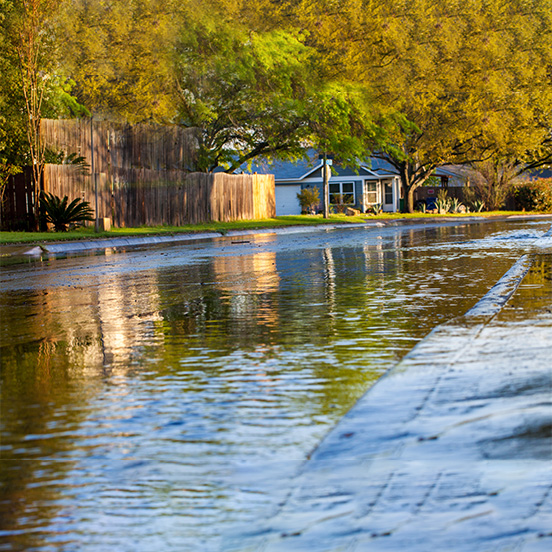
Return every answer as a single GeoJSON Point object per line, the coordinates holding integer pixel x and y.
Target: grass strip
{"type": "Point", "coordinates": [87, 233]}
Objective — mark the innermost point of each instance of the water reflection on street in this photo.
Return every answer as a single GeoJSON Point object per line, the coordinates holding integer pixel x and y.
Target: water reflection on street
{"type": "Point", "coordinates": [163, 398]}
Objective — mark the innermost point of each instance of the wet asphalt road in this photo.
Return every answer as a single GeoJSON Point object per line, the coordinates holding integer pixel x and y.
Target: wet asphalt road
{"type": "Point", "coordinates": [449, 451]}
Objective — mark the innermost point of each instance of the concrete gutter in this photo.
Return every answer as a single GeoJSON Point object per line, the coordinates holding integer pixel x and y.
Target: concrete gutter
{"type": "Point", "coordinates": [451, 450]}
{"type": "Point", "coordinates": [56, 248]}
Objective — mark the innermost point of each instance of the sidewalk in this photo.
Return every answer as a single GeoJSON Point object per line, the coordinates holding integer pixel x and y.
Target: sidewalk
{"type": "Point", "coordinates": [452, 450]}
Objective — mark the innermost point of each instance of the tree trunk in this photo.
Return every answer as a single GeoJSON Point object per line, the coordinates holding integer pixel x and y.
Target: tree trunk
{"type": "Point", "coordinates": [408, 185]}
{"type": "Point", "coordinates": [410, 198]}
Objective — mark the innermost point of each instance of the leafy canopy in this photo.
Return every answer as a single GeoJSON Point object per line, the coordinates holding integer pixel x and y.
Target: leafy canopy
{"type": "Point", "coordinates": [266, 92]}
{"type": "Point", "coordinates": [472, 79]}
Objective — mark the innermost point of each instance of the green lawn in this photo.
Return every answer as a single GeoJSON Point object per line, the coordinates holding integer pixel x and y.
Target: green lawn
{"type": "Point", "coordinates": [222, 227]}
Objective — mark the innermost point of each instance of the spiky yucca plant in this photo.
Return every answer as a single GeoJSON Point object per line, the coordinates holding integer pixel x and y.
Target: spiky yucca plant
{"type": "Point", "coordinates": [61, 213]}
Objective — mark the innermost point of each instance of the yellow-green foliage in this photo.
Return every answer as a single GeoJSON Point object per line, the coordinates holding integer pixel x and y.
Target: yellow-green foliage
{"type": "Point", "coordinates": [535, 195]}
{"type": "Point", "coordinates": [309, 199]}
{"type": "Point", "coordinates": [423, 82]}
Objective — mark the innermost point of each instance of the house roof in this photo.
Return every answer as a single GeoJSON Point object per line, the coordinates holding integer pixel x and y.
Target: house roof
{"type": "Point", "coordinates": [382, 167]}
{"type": "Point", "coordinates": [294, 171]}
{"type": "Point", "coordinates": [287, 171]}
{"type": "Point", "coordinates": [541, 173]}
{"type": "Point", "coordinates": [283, 170]}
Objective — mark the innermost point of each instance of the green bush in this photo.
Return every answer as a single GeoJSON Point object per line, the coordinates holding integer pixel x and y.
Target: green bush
{"type": "Point", "coordinates": [340, 202]}
{"type": "Point", "coordinates": [61, 213]}
{"type": "Point", "coordinates": [534, 195]}
{"type": "Point", "coordinates": [309, 199]}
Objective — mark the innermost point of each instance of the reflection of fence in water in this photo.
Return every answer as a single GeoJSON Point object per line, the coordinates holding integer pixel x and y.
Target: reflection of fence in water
{"type": "Point", "coordinates": [245, 278]}
{"type": "Point", "coordinates": [129, 318]}
{"type": "Point", "coordinates": [255, 273]}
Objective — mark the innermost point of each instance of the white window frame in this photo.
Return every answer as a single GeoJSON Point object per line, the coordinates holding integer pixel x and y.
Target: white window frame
{"type": "Point", "coordinates": [375, 191]}
{"type": "Point", "coordinates": [334, 183]}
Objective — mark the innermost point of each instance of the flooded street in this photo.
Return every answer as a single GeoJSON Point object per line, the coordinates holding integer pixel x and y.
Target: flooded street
{"type": "Point", "coordinates": [163, 398]}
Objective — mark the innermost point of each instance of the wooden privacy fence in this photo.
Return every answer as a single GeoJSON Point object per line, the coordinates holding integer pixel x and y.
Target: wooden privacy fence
{"type": "Point", "coordinates": [106, 144]}
{"type": "Point", "coordinates": [142, 174]}
{"type": "Point", "coordinates": [136, 197]}
{"type": "Point", "coordinates": [16, 209]}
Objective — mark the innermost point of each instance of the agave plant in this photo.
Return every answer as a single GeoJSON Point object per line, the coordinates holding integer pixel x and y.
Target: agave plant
{"type": "Point", "coordinates": [61, 213]}
{"type": "Point", "coordinates": [478, 205]}
{"type": "Point", "coordinates": [456, 206]}
{"type": "Point", "coordinates": [443, 202]}
{"type": "Point", "coordinates": [375, 209]}
{"type": "Point", "coordinates": [443, 206]}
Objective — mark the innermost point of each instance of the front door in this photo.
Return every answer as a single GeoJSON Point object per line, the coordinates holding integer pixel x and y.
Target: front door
{"type": "Point", "coordinates": [388, 203]}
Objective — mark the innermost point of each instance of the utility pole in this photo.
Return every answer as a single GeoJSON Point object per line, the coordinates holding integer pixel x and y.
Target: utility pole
{"type": "Point", "coordinates": [93, 174]}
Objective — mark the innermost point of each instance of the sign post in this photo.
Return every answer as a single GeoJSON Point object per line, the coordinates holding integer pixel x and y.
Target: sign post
{"type": "Point", "coordinates": [327, 162]}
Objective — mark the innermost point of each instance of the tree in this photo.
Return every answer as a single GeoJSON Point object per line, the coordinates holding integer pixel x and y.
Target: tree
{"type": "Point", "coordinates": [243, 74]}
{"type": "Point", "coordinates": [120, 55]}
{"type": "Point", "coordinates": [260, 86]}
{"type": "Point", "coordinates": [32, 85]}
{"type": "Point", "coordinates": [32, 43]}
{"type": "Point", "coordinates": [473, 79]}
{"type": "Point", "coordinates": [470, 79]}
{"type": "Point", "coordinates": [12, 122]}
{"type": "Point", "coordinates": [244, 92]}
{"type": "Point", "coordinates": [492, 181]}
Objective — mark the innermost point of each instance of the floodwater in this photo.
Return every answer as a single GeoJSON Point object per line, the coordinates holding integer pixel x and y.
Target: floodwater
{"type": "Point", "coordinates": [162, 399]}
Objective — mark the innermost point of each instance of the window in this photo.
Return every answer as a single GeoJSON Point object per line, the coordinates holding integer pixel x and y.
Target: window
{"type": "Point", "coordinates": [371, 193]}
{"type": "Point", "coordinates": [342, 192]}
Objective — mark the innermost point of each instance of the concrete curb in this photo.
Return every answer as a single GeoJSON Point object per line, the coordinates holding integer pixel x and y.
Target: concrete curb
{"type": "Point", "coordinates": [137, 241]}
{"type": "Point", "coordinates": [59, 248]}
{"type": "Point", "coordinates": [436, 455]}
{"type": "Point", "coordinates": [499, 294]}
{"type": "Point", "coordinates": [70, 247]}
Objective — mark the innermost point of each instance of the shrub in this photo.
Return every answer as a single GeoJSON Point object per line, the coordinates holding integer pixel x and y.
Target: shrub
{"type": "Point", "coordinates": [491, 182]}
{"type": "Point", "coordinates": [309, 199]}
{"type": "Point", "coordinates": [534, 195]}
{"type": "Point", "coordinates": [340, 202]}
{"type": "Point", "coordinates": [456, 206]}
{"type": "Point", "coordinates": [61, 213]}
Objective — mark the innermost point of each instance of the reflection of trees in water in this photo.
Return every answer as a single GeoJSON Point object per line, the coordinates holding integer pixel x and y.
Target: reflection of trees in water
{"type": "Point", "coordinates": [535, 291]}
{"type": "Point", "coordinates": [37, 387]}
{"type": "Point", "coordinates": [327, 321]}
{"type": "Point", "coordinates": [61, 339]}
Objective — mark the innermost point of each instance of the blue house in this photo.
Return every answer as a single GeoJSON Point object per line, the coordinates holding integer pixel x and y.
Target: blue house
{"type": "Point", "coordinates": [377, 184]}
